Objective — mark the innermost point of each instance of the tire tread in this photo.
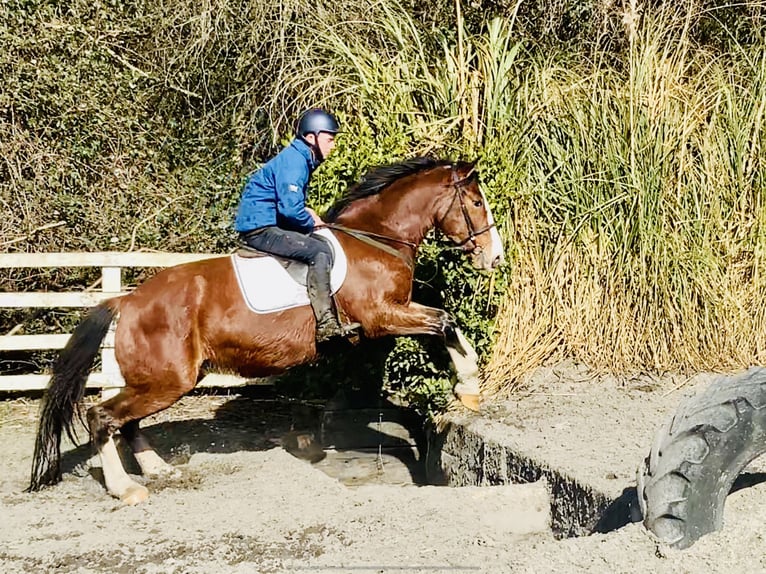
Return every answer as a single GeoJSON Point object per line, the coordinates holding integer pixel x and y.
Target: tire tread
{"type": "Point", "coordinates": [729, 419]}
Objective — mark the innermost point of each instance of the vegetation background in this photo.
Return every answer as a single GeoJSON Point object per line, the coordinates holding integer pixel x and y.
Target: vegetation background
{"type": "Point", "coordinates": [620, 143]}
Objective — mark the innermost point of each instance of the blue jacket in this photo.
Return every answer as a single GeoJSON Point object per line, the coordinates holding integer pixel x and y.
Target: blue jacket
{"type": "Point", "coordinates": [276, 193]}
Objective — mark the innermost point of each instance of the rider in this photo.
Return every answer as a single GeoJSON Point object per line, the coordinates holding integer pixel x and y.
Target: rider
{"type": "Point", "coordinates": [273, 217]}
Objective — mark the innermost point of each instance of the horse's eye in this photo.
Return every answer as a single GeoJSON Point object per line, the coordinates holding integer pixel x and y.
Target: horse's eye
{"type": "Point", "coordinates": [478, 203]}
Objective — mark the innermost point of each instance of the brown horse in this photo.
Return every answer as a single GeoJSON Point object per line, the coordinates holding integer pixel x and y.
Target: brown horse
{"type": "Point", "coordinates": [194, 315]}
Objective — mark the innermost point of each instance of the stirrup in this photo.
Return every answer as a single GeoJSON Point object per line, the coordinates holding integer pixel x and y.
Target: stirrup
{"type": "Point", "coordinates": [331, 329]}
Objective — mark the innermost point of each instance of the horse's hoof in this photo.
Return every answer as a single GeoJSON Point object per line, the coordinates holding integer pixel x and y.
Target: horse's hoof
{"type": "Point", "coordinates": [134, 495]}
{"type": "Point", "coordinates": [470, 402]}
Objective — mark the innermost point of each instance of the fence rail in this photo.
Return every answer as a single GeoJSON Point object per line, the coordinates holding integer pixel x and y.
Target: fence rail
{"type": "Point", "coordinates": [111, 263]}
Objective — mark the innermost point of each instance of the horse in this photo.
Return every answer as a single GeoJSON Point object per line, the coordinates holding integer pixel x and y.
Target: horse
{"type": "Point", "coordinates": [191, 317]}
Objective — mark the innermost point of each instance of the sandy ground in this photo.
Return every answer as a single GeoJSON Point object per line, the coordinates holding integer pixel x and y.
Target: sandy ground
{"type": "Point", "coordinates": [243, 504]}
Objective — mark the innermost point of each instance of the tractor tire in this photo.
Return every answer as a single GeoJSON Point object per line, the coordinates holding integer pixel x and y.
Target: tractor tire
{"type": "Point", "coordinates": [697, 455]}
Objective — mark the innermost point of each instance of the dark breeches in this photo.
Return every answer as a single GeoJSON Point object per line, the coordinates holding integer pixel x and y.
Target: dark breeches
{"type": "Point", "coordinates": [289, 244]}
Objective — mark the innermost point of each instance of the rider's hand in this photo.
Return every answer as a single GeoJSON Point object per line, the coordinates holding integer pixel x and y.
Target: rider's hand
{"type": "Point", "coordinates": [313, 214]}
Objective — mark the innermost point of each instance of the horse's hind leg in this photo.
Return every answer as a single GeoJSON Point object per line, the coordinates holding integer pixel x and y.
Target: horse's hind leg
{"type": "Point", "coordinates": [102, 426]}
{"type": "Point", "coordinates": [150, 462]}
{"type": "Point", "coordinates": [118, 412]}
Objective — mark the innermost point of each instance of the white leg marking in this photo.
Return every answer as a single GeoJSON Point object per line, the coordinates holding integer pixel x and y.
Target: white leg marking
{"type": "Point", "coordinates": [466, 367]}
{"type": "Point", "coordinates": [497, 243]}
{"type": "Point", "coordinates": [152, 464]}
{"type": "Point", "coordinates": [118, 483]}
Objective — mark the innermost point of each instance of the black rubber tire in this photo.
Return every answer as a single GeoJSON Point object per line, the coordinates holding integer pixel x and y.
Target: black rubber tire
{"type": "Point", "coordinates": [697, 455]}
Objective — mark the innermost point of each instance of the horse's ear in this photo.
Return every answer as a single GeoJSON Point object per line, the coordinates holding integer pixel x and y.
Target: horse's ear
{"type": "Point", "coordinates": [466, 169]}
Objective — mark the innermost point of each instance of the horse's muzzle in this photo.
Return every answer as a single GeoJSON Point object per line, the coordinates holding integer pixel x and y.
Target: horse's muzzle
{"type": "Point", "coordinates": [481, 259]}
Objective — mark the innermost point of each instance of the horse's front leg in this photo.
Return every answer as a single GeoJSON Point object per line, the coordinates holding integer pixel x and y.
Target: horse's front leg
{"type": "Point", "coordinates": [150, 462]}
{"type": "Point", "coordinates": [465, 359]}
{"type": "Point", "coordinates": [416, 319]}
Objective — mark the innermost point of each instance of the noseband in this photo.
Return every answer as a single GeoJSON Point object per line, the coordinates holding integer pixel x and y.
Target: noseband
{"type": "Point", "coordinates": [473, 233]}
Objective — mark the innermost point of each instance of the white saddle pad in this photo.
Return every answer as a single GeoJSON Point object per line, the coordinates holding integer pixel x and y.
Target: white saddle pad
{"type": "Point", "coordinates": [267, 286]}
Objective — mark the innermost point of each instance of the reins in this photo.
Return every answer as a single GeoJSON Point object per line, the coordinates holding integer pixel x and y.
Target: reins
{"type": "Point", "coordinates": [376, 240]}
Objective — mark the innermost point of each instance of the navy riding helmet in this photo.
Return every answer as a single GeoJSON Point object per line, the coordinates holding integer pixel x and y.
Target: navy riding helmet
{"type": "Point", "coordinates": [316, 121]}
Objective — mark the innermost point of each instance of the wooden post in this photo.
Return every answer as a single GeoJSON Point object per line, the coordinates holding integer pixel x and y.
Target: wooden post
{"type": "Point", "coordinates": [111, 282]}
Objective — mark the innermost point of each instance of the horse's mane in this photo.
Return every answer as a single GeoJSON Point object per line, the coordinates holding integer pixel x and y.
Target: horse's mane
{"type": "Point", "coordinates": [378, 178]}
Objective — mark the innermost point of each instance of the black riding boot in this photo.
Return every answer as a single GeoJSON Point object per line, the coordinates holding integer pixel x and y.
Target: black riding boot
{"type": "Point", "coordinates": [318, 283]}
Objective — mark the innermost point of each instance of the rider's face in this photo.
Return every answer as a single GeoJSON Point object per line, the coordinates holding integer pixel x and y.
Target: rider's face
{"type": "Point", "coordinates": [324, 141]}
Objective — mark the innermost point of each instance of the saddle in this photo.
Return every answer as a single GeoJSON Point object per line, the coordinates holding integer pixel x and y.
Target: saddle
{"type": "Point", "coordinates": [295, 269]}
{"type": "Point", "coordinates": [269, 283]}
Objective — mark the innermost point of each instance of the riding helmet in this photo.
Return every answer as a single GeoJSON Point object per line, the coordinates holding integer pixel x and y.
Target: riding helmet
{"type": "Point", "coordinates": [315, 121]}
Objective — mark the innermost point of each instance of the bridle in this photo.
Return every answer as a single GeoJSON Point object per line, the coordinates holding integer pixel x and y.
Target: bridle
{"type": "Point", "coordinates": [473, 233]}
{"type": "Point", "coordinates": [376, 239]}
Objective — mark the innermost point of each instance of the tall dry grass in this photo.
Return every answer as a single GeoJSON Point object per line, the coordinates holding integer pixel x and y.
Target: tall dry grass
{"type": "Point", "coordinates": [640, 232]}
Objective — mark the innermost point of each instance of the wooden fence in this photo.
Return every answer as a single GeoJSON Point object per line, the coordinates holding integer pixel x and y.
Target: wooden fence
{"type": "Point", "coordinates": [111, 264]}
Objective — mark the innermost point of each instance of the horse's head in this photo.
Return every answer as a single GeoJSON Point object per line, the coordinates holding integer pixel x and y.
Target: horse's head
{"type": "Point", "coordinates": [463, 215]}
{"type": "Point", "coordinates": [400, 202]}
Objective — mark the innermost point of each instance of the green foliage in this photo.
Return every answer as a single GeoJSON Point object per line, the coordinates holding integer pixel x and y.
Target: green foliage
{"type": "Point", "coordinates": [621, 151]}
{"type": "Point", "coordinates": [364, 144]}
{"type": "Point", "coordinates": [356, 370]}
{"type": "Point", "coordinates": [417, 373]}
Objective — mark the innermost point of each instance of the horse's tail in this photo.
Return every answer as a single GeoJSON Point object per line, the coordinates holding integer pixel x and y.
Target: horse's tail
{"type": "Point", "coordinates": [65, 390]}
